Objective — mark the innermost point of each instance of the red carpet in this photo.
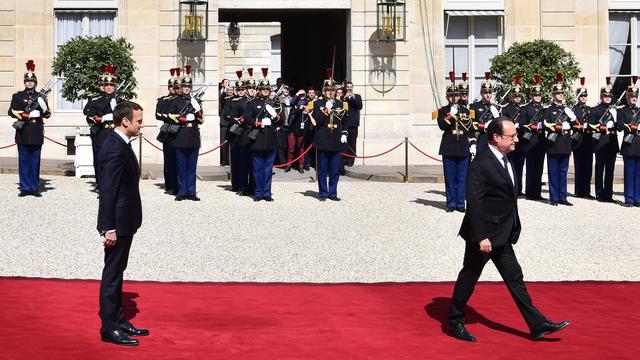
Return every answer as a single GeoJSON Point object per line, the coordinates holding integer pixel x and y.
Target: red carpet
{"type": "Point", "coordinates": [50, 319]}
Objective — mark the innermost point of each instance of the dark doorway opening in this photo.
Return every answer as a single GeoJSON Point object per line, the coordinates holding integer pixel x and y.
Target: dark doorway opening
{"type": "Point", "coordinates": [308, 37]}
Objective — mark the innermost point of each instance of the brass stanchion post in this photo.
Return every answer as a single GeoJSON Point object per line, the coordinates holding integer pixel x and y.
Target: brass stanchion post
{"type": "Point", "coordinates": [406, 159]}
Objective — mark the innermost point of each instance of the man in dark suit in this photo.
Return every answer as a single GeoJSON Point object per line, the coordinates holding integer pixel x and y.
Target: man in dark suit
{"type": "Point", "coordinates": [490, 227]}
{"type": "Point", "coordinates": [353, 117]}
{"type": "Point", "coordinates": [119, 217]}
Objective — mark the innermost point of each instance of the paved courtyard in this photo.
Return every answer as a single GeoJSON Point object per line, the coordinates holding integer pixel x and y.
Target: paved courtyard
{"type": "Point", "coordinates": [379, 232]}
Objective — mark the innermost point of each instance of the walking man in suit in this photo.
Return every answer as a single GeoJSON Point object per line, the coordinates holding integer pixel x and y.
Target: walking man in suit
{"type": "Point", "coordinates": [491, 227]}
{"type": "Point", "coordinates": [119, 217]}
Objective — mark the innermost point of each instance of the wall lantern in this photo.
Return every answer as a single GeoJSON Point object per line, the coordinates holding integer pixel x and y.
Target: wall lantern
{"type": "Point", "coordinates": [234, 35]}
{"type": "Point", "coordinates": [194, 20]}
{"type": "Point", "coordinates": [391, 20]}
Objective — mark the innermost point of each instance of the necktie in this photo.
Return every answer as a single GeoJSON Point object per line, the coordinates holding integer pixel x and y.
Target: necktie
{"type": "Point", "coordinates": [505, 161]}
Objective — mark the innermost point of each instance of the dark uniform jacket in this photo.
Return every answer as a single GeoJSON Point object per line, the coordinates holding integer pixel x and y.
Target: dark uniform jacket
{"type": "Point", "coordinates": [582, 115]}
{"type": "Point", "coordinates": [95, 110]}
{"type": "Point", "coordinates": [456, 131]}
{"type": "Point", "coordinates": [553, 118]}
{"type": "Point", "coordinates": [482, 115]}
{"type": "Point", "coordinates": [238, 107]}
{"type": "Point", "coordinates": [530, 116]}
{"type": "Point", "coordinates": [188, 137]}
{"type": "Point", "coordinates": [329, 128]}
{"type": "Point", "coordinates": [627, 117]}
{"type": "Point", "coordinates": [225, 107]}
{"type": "Point", "coordinates": [512, 111]}
{"type": "Point", "coordinates": [255, 112]}
{"type": "Point", "coordinates": [22, 102]}
{"type": "Point", "coordinates": [355, 105]}
{"type": "Point", "coordinates": [297, 116]}
{"type": "Point", "coordinates": [608, 138]}
{"type": "Point", "coordinates": [162, 108]}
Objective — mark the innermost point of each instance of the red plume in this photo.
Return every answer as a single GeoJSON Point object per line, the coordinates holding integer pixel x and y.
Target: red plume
{"type": "Point", "coordinates": [187, 70]}
{"type": "Point", "coordinates": [464, 76]}
{"type": "Point", "coordinates": [265, 71]}
{"type": "Point", "coordinates": [487, 75]}
{"type": "Point", "coordinates": [113, 70]}
{"type": "Point", "coordinates": [250, 71]}
{"type": "Point", "coordinates": [103, 68]}
{"type": "Point", "coordinates": [239, 74]}
{"type": "Point", "coordinates": [608, 79]}
{"type": "Point", "coordinates": [634, 78]}
{"type": "Point", "coordinates": [558, 77]}
{"type": "Point", "coordinates": [30, 65]}
{"type": "Point", "coordinates": [517, 79]}
{"type": "Point", "coordinates": [452, 76]}
{"type": "Point", "coordinates": [582, 81]}
{"type": "Point", "coordinates": [329, 73]}
{"type": "Point", "coordinates": [178, 71]}
{"type": "Point", "coordinates": [536, 78]}
{"type": "Point", "coordinates": [172, 71]}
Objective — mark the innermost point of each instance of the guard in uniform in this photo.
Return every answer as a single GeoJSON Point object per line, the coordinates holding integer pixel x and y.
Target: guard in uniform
{"type": "Point", "coordinates": [533, 142]}
{"type": "Point", "coordinates": [29, 108]}
{"type": "Point", "coordinates": [263, 115]}
{"type": "Point", "coordinates": [603, 118]}
{"type": "Point", "coordinates": [233, 111]}
{"type": "Point", "coordinates": [455, 122]}
{"type": "Point", "coordinates": [512, 111]}
{"type": "Point", "coordinates": [485, 111]}
{"type": "Point", "coordinates": [558, 119]}
{"type": "Point", "coordinates": [628, 121]}
{"type": "Point", "coordinates": [186, 112]}
{"type": "Point", "coordinates": [582, 144]}
{"type": "Point", "coordinates": [168, 152]}
{"type": "Point", "coordinates": [330, 138]}
{"type": "Point", "coordinates": [99, 113]}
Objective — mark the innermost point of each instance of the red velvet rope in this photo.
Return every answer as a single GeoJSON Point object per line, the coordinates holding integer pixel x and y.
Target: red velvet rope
{"type": "Point", "coordinates": [371, 156]}
{"type": "Point", "coordinates": [424, 153]}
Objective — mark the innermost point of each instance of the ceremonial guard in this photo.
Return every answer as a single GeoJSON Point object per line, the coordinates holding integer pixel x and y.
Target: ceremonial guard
{"type": "Point", "coordinates": [605, 142]}
{"type": "Point", "coordinates": [167, 130]}
{"type": "Point", "coordinates": [512, 111]}
{"type": "Point", "coordinates": [455, 122]}
{"type": "Point", "coordinates": [263, 115]}
{"type": "Point", "coordinates": [628, 121]}
{"type": "Point", "coordinates": [533, 143]}
{"type": "Point", "coordinates": [186, 111]}
{"type": "Point", "coordinates": [463, 94]}
{"type": "Point", "coordinates": [329, 139]}
{"type": "Point", "coordinates": [582, 144]}
{"type": "Point", "coordinates": [558, 119]}
{"type": "Point", "coordinates": [238, 134]}
{"type": "Point", "coordinates": [485, 111]}
{"type": "Point", "coordinates": [99, 114]}
{"type": "Point", "coordinates": [29, 108]}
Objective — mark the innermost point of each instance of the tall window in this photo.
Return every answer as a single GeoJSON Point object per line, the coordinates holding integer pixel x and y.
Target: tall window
{"type": "Point", "coordinates": [70, 24]}
{"type": "Point", "coordinates": [624, 48]}
{"type": "Point", "coordinates": [470, 44]}
{"type": "Point", "coordinates": [275, 71]}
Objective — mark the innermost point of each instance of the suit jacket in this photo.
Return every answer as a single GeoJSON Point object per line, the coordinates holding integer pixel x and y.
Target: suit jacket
{"type": "Point", "coordinates": [353, 114]}
{"type": "Point", "coordinates": [492, 209]}
{"type": "Point", "coordinates": [120, 206]}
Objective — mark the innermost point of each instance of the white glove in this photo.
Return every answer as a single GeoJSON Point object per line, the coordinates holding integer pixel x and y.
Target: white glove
{"type": "Point", "coordinates": [271, 111]}
{"type": "Point", "coordinates": [517, 125]}
{"type": "Point", "coordinates": [570, 113]}
{"type": "Point", "coordinates": [486, 125]}
{"type": "Point", "coordinates": [495, 112]}
{"type": "Point", "coordinates": [107, 117]}
{"type": "Point", "coordinates": [43, 104]}
{"type": "Point", "coordinates": [301, 125]}
{"type": "Point", "coordinates": [329, 104]}
{"type": "Point", "coordinates": [266, 122]}
{"type": "Point", "coordinates": [454, 109]}
{"type": "Point", "coordinates": [34, 114]}
{"type": "Point", "coordinates": [343, 139]}
{"type": "Point", "coordinates": [472, 149]}
{"type": "Point", "coordinates": [190, 117]}
{"type": "Point", "coordinates": [539, 124]}
{"type": "Point", "coordinates": [195, 105]}
{"type": "Point", "coordinates": [565, 125]}
{"type": "Point", "coordinates": [585, 125]}
{"type": "Point", "coordinates": [614, 113]}
{"type": "Point", "coordinates": [113, 103]}
{"type": "Point", "coordinates": [609, 124]}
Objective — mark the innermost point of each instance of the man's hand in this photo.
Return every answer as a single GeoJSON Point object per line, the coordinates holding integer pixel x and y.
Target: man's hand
{"type": "Point", "coordinates": [110, 239]}
{"type": "Point", "coordinates": [485, 246]}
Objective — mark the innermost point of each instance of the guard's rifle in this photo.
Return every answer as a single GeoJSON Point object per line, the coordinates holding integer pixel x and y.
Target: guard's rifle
{"type": "Point", "coordinates": [196, 95]}
{"type": "Point", "coordinates": [635, 120]}
{"type": "Point", "coordinates": [579, 129]}
{"type": "Point", "coordinates": [44, 91]}
{"type": "Point", "coordinates": [606, 114]}
{"type": "Point", "coordinates": [553, 136]}
{"type": "Point", "coordinates": [528, 135]}
{"type": "Point", "coordinates": [482, 119]}
{"type": "Point", "coordinates": [122, 89]}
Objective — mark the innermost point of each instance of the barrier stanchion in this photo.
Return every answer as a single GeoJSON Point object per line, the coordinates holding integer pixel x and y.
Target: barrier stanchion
{"type": "Point", "coordinates": [406, 159]}
{"type": "Point", "coordinates": [140, 158]}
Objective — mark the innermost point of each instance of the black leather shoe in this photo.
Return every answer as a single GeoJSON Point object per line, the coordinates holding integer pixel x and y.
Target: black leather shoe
{"type": "Point", "coordinates": [605, 200]}
{"type": "Point", "coordinates": [287, 169]}
{"type": "Point", "coordinates": [179, 198]}
{"type": "Point", "coordinates": [450, 209]}
{"type": "Point", "coordinates": [323, 199]}
{"type": "Point", "coordinates": [246, 193]}
{"type": "Point", "coordinates": [547, 328]}
{"type": "Point", "coordinates": [268, 198]}
{"type": "Point", "coordinates": [257, 199]}
{"type": "Point", "coordinates": [306, 168]}
{"type": "Point", "coordinates": [460, 209]}
{"type": "Point", "coordinates": [301, 171]}
{"type": "Point", "coordinates": [636, 204]}
{"type": "Point", "coordinates": [553, 203]}
{"type": "Point", "coordinates": [334, 198]}
{"type": "Point", "coordinates": [193, 198]}
{"type": "Point", "coordinates": [566, 203]}
{"type": "Point", "coordinates": [118, 337]}
{"type": "Point", "coordinates": [36, 193]}
{"type": "Point", "coordinates": [23, 194]}
{"type": "Point", "coordinates": [133, 331]}
{"type": "Point", "coordinates": [627, 204]}
{"type": "Point", "coordinates": [535, 198]}
{"type": "Point", "coordinates": [459, 332]}
{"type": "Point", "coordinates": [591, 197]}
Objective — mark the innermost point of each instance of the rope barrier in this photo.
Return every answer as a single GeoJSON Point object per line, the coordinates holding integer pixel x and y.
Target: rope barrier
{"type": "Point", "coordinates": [7, 146]}
{"type": "Point", "coordinates": [214, 149]}
{"type": "Point", "coordinates": [53, 141]}
{"type": "Point", "coordinates": [294, 160]}
{"type": "Point", "coordinates": [152, 144]}
{"type": "Point", "coordinates": [424, 153]}
{"type": "Point", "coordinates": [371, 156]}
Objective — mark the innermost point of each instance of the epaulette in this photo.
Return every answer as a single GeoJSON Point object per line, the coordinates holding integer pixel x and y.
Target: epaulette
{"type": "Point", "coordinates": [434, 115]}
{"type": "Point", "coordinates": [236, 99]}
{"type": "Point", "coordinates": [345, 105]}
{"type": "Point", "coordinates": [620, 107]}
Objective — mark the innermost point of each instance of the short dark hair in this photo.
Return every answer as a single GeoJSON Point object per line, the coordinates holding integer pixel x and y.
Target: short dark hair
{"type": "Point", "coordinates": [309, 88]}
{"type": "Point", "coordinates": [348, 83]}
{"type": "Point", "coordinates": [497, 127]}
{"type": "Point", "coordinates": [124, 109]}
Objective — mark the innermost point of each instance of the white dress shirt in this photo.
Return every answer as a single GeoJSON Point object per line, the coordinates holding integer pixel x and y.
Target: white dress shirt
{"type": "Point", "coordinates": [500, 157]}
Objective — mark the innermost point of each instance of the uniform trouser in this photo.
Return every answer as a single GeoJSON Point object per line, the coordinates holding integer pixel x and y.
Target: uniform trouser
{"type": "Point", "coordinates": [352, 140]}
{"type": "Point", "coordinates": [328, 166]}
{"type": "Point", "coordinates": [558, 169]}
{"type": "Point", "coordinates": [507, 264]}
{"type": "Point", "coordinates": [241, 175]}
{"type": "Point", "coordinates": [224, 149]}
{"type": "Point", "coordinates": [605, 164]}
{"type": "Point", "coordinates": [535, 167]}
{"type": "Point", "coordinates": [455, 179]}
{"type": "Point", "coordinates": [295, 147]}
{"type": "Point", "coordinates": [583, 167]}
{"type": "Point", "coordinates": [115, 262]}
{"type": "Point", "coordinates": [29, 166]}
{"type": "Point", "coordinates": [309, 158]}
{"type": "Point", "coordinates": [96, 156]}
{"type": "Point", "coordinates": [281, 152]}
{"type": "Point", "coordinates": [262, 161]}
{"type": "Point", "coordinates": [187, 163]}
{"type": "Point", "coordinates": [632, 180]}
{"type": "Point", "coordinates": [517, 158]}
{"type": "Point", "coordinates": [170, 172]}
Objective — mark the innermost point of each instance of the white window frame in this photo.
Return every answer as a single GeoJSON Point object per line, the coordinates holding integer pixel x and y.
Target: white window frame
{"type": "Point", "coordinates": [86, 13]}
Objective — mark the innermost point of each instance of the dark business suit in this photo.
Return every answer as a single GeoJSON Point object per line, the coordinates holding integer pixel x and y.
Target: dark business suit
{"type": "Point", "coordinates": [492, 212]}
{"type": "Point", "coordinates": [120, 209]}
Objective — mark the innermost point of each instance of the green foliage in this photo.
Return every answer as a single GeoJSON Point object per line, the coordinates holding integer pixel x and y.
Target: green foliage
{"type": "Point", "coordinates": [542, 57]}
{"type": "Point", "coordinates": [79, 61]}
